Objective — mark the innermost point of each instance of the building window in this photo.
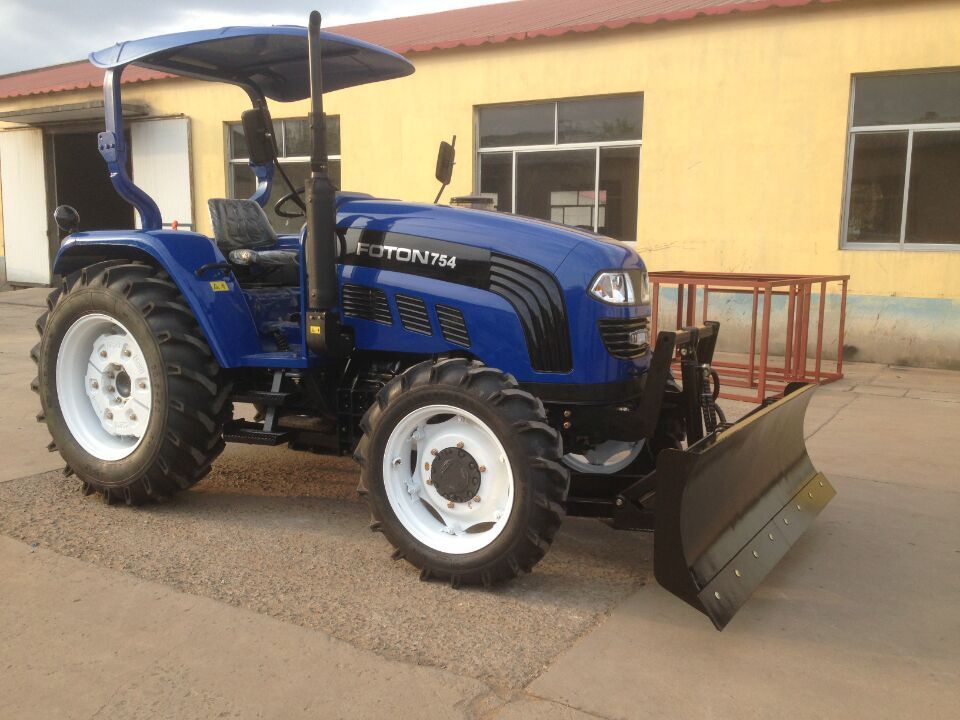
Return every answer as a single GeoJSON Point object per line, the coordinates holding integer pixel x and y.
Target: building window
{"type": "Point", "coordinates": [293, 144]}
{"type": "Point", "coordinates": [575, 162]}
{"type": "Point", "coordinates": [903, 166]}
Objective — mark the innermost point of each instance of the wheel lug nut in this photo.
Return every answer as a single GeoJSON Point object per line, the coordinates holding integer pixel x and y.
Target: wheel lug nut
{"type": "Point", "coordinates": [103, 353]}
{"type": "Point", "coordinates": [133, 417]}
{"type": "Point", "coordinates": [108, 415]}
{"type": "Point", "coordinates": [110, 388]}
{"type": "Point", "coordinates": [476, 499]}
{"type": "Point", "coordinates": [434, 452]}
{"type": "Point", "coordinates": [429, 481]}
{"type": "Point", "coordinates": [460, 445]}
{"type": "Point", "coordinates": [482, 468]}
{"type": "Point", "coordinates": [126, 352]}
{"type": "Point", "coordinates": [450, 504]}
{"type": "Point", "coordinates": [142, 385]}
{"type": "Point", "coordinates": [95, 385]}
{"type": "Point", "coordinates": [426, 466]}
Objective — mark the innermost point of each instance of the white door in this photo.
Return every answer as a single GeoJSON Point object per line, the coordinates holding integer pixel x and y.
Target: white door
{"type": "Point", "coordinates": [160, 150]}
{"type": "Point", "coordinates": [24, 191]}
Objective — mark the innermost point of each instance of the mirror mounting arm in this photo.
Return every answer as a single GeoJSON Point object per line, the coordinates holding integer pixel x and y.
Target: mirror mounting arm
{"type": "Point", "coordinates": [263, 147]}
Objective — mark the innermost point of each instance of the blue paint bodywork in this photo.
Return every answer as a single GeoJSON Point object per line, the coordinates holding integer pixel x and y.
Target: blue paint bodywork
{"type": "Point", "coordinates": [264, 176]}
{"type": "Point", "coordinates": [241, 325]}
{"type": "Point", "coordinates": [265, 327]}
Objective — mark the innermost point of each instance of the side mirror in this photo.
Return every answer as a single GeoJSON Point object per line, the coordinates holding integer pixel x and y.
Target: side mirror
{"type": "Point", "coordinates": [261, 140]}
{"type": "Point", "coordinates": [67, 219]}
{"type": "Point", "coordinates": [446, 157]}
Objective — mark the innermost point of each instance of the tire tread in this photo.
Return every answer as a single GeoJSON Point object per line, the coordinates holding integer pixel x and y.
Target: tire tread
{"type": "Point", "coordinates": [541, 446]}
{"type": "Point", "coordinates": [197, 398]}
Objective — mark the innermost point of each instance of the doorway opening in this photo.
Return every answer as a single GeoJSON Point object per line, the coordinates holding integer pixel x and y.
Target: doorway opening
{"type": "Point", "coordinates": [82, 181]}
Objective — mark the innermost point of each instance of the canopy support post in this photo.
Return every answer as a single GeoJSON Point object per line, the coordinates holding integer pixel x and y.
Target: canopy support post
{"type": "Point", "coordinates": [263, 173]}
{"type": "Point", "coordinates": [113, 147]}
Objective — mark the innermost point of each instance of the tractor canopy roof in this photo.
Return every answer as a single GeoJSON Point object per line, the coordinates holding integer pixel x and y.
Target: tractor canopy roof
{"type": "Point", "coordinates": [271, 59]}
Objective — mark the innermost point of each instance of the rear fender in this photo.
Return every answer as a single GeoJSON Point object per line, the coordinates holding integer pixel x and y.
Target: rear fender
{"type": "Point", "coordinates": [214, 296]}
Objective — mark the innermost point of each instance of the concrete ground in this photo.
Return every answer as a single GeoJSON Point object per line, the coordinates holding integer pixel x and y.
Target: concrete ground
{"type": "Point", "coordinates": [260, 594]}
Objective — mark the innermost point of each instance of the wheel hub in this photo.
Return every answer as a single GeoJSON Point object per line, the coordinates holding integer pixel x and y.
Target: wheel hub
{"type": "Point", "coordinates": [117, 387]}
{"type": "Point", "coordinates": [456, 475]}
{"type": "Point", "coordinates": [123, 384]}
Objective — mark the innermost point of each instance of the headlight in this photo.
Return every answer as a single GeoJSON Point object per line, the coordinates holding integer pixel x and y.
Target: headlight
{"type": "Point", "coordinates": [644, 288]}
{"type": "Point", "coordinates": [621, 287]}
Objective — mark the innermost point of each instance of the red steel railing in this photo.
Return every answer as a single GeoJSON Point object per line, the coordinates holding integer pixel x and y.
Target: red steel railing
{"type": "Point", "coordinates": [760, 375]}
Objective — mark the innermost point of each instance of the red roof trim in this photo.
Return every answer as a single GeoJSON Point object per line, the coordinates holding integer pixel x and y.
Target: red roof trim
{"type": "Point", "coordinates": [79, 75]}
{"type": "Point", "coordinates": [678, 15]}
{"type": "Point", "coordinates": [502, 23]}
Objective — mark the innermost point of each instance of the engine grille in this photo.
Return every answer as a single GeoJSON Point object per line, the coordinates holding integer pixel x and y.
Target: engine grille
{"type": "Point", "coordinates": [413, 314]}
{"type": "Point", "coordinates": [538, 301]}
{"type": "Point", "coordinates": [367, 303]}
{"type": "Point", "coordinates": [616, 336]}
{"type": "Point", "coordinates": [452, 326]}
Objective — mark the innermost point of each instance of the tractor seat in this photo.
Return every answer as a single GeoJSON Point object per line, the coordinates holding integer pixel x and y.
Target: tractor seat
{"type": "Point", "coordinates": [243, 233]}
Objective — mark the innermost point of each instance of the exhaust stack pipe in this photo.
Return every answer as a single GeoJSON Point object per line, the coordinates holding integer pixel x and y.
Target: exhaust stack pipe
{"type": "Point", "coordinates": [324, 332]}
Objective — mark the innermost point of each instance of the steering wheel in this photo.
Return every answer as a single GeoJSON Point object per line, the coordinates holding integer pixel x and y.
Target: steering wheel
{"type": "Point", "coordinates": [293, 196]}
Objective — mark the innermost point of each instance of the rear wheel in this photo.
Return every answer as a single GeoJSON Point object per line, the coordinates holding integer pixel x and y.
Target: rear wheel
{"type": "Point", "coordinates": [462, 473]}
{"type": "Point", "coordinates": [129, 388]}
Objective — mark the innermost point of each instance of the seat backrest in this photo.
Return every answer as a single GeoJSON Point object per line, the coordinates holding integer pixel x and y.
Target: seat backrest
{"type": "Point", "coordinates": [239, 224]}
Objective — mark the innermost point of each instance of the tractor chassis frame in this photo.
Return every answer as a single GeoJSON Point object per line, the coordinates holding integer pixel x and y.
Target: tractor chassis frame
{"type": "Point", "coordinates": [626, 500]}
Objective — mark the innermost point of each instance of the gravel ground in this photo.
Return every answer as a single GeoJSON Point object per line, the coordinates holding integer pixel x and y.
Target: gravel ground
{"type": "Point", "coordinates": [282, 533]}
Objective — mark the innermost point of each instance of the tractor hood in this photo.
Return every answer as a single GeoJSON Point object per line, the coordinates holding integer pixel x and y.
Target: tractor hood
{"type": "Point", "coordinates": [539, 242]}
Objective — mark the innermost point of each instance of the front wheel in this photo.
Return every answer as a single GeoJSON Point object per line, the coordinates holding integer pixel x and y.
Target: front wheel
{"type": "Point", "coordinates": [128, 386]}
{"type": "Point", "coordinates": [462, 473]}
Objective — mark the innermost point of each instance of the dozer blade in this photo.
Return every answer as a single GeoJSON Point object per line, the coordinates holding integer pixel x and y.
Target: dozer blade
{"type": "Point", "coordinates": [731, 506]}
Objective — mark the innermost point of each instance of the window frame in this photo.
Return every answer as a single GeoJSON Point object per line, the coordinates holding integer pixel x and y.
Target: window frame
{"type": "Point", "coordinates": [911, 129]}
{"type": "Point", "coordinates": [556, 146]}
{"type": "Point", "coordinates": [281, 149]}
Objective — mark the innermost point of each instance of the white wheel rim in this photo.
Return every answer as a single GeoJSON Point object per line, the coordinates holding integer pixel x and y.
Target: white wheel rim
{"type": "Point", "coordinates": [103, 385]}
{"type": "Point", "coordinates": [606, 458]}
{"type": "Point", "coordinates": [433, 519]}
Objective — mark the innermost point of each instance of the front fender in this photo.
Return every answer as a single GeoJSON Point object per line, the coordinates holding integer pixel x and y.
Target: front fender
{"type": "Point", "coordinates": [215, 297]}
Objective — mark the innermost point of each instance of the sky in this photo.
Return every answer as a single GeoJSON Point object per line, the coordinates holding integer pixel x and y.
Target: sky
{"type": "Point", "coordinates": [36, 33]}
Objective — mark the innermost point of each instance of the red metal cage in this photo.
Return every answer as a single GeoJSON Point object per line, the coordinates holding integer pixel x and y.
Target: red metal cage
{"type": "Point", "coordinates": [762, 373]}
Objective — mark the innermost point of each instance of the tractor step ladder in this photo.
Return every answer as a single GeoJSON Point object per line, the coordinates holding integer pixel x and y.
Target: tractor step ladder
{"type": "Point", "coordinates": [265, 433]}
{"type": "Point", "coordinates": [252, 433]}
{"type": "Point", "coordinates": [261, 397]}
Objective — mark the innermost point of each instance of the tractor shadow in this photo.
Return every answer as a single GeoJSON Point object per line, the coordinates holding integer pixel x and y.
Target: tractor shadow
{"type": "Point", "coordinates": [283, 534]}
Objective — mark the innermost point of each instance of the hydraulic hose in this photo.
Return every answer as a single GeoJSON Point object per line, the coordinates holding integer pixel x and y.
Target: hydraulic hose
{"type": "Point", "coordinates": [710, 391]}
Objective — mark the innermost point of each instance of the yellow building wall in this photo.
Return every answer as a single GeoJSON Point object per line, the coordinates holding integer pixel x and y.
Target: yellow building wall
{"type": "Point", "coordinates": [745, 129]}
{"type": "Point", "coordinates": [2, 253]}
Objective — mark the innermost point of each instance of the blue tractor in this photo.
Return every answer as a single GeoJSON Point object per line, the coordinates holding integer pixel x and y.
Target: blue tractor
{"type": "Point", "coordinates": [490, 373]}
